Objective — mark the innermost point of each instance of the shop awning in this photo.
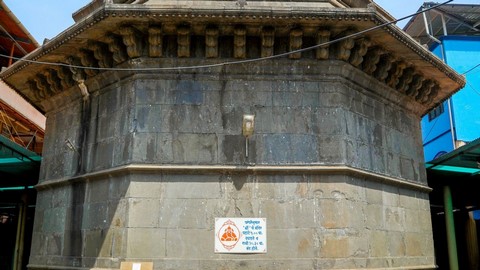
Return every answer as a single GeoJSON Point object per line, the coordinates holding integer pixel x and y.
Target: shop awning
{"type": "Point", "coordinates": [18, 165]}
{"type": "Point", "coordinates": [464, 161]}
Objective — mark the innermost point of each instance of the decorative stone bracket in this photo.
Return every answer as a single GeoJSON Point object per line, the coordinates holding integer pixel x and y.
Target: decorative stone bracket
{"type": "Point", "coordinates": [131, 41]}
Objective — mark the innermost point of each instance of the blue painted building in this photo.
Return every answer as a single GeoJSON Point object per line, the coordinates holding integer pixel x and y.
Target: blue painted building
{"type": "Point", "coordinates": [457, 120]}
{"type": "Point", "coordinates": [452, 32]}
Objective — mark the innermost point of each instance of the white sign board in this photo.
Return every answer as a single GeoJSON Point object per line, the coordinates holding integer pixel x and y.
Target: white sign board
{"type": "Point", "coordinates": [240, 235]}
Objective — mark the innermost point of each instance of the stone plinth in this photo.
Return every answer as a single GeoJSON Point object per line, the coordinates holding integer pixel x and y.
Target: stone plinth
{"type": "Point", "coordinates": [335, 164]}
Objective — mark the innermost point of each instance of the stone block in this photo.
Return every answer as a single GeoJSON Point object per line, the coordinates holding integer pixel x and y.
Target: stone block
{"type": "Point", "coordinates": [195, 148]}
{"type": "Point", "coordinates": [338, 187]}
{"type": "Point", "coordinates": [232, 149]}
{"type": "Point", "coordinates": [231, 117]}
{"type": "Point", "coordinates": [335, 150]}
{"type": "Point", "coordinates": [375, 216]}
{"type": "Point", "coordinates": [73, 242]}
{"type": "Point", "coordinates": [341, 213]}
{"type": "Point", "coordinates": [288, 148]}
{"type": "Point", "coordinates": [38, 221]}
{"type": "Point", "coordinates": [378, 244]}
{"type": "Point", "coordinates": [282, 214]}
{"type": "Point", "coordinates": [416, 244]}
{"type": "Point", "coordinates": [118, 187]}
{"type": "Point", "coordinates": [374, 192]}
{"type": "Point", "coordinates": [192, 187]}
{"type": "Point", "coordinates": [190, 243]}
{"type": "Point", "coordinates": [146, 243]}
{"type": "Point", "coordinates": [61, 196]}
{"type": "Point", "coordinates": [164, 148]}
{"type": "Point", "coordinates": [239, 186]}
{"type": "Point", "coordinates": [143, 212]}
{"type": "Point", "coordinates": [262, 187]}
{"type": "Point", "coordinates": [54, 244]}
{"type": "Point", "coordinates": [117, 213]}
{"type": "Point", "coordinates": [149, 187]}
{"type": "Point", "coordinates": [394, 218]}
{"type": "Point", "coordinates": [334, 247]}
{"type": "Point", "coordinates": [37, 259]}
{"type": "Point", "coordinates": [392, 162]}
{"type": "Point", "coordinates": [94, 241]}
{"type": "Point", "coordinates": [98, 191]}
{"type": "Point", "coordinates": [188, 92]}
{"type": "Point", "coordinates": [152, 118]}
{"type": "Point", "coordinates": [287, 188]}
{"type": "Point", "coordinates": [287, 99]}
{"type": "Point", "coordinates": [144, 146]}
{"type": "Point", "coordinates": [378, 160]}
{"type": "Point", "coordinates": [95, 216]}
{"type": "Point", "coordinates": [408, 169]}
{"type": "Point", "coordinates": [291, 243]}
{"type": "Point", "coordinates": [239, 95]}
{"type": "Point", "coordinates": [194, 119]}
{"type": "Point", "coordinates": [390, 196]}
{"type": "Point", "coordinates": [243, 208]}
{"type": "Point", "coordinates": [105, 127]}
{"type": "Point", "coordinates": [122, 150]}
{"type": "Point", "coordinates": [184, 214]}
{"type": "Point", "coordinates": [396, 244]}
{"type": "Point", "coordinates": [103, 154]}
{"type": "Point", "coordinates": [39, 245]}
{"type": "Point", "coordinates": [311, 99]}
{"type": "Point", "coordinates": [118, 244]}
{"type": "Point", "coordinates": [54, 220]}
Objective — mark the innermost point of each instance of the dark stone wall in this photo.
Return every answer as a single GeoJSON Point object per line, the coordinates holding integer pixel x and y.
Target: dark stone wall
{"type": "Point", "coordinates": [92, 213]}
{"type": "Point", "coordinates": [195, 118]}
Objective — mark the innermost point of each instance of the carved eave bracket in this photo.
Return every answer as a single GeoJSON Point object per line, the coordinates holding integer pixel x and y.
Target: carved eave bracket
{"type": "Point", "coordinates": [244, 36]}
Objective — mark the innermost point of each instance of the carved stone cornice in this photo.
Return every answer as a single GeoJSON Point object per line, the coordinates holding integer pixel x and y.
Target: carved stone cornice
{"type": "Point", "coordinates": [389, 55]}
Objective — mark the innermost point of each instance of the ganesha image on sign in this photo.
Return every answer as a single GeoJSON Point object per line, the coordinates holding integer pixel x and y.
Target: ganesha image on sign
{"type": "Point", "coordinates": [229, 235]}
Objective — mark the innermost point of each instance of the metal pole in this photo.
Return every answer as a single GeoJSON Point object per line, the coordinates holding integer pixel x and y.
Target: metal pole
{"type": "Point", "coordinates": [19, 244]}
{"type": "Point", "coordinates": [10, 61]}
{"type": "Point", "coordinates": [450, 227]}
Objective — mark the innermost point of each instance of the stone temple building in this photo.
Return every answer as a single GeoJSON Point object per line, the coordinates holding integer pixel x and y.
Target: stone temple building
{"type": "Point", "coordinates": [150, 106]}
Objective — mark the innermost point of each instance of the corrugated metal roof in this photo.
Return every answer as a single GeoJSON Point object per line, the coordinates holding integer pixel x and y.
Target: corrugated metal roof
{"type": "Point", "coordinates": [449, 19]}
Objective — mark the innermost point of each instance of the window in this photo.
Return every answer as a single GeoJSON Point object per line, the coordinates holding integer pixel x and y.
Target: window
{"type": "Point", "coordinates": [435, 112]}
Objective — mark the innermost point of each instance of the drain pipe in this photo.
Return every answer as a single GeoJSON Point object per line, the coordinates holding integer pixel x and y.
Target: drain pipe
{"type": "Point", "coordinates": [450, 227]}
